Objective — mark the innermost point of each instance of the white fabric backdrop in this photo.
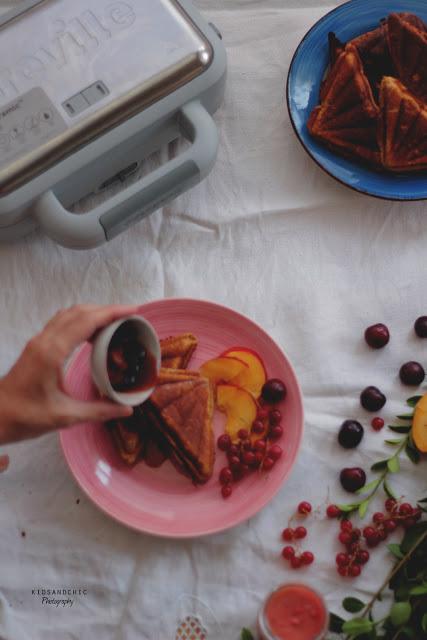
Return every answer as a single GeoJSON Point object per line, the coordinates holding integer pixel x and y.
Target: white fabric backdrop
{"type": "Point", "coordinates": [273, 237]}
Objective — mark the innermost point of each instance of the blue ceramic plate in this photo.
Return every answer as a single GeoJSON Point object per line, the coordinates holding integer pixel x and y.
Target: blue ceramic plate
{"type": "Point", "coordinates": [305, 75]}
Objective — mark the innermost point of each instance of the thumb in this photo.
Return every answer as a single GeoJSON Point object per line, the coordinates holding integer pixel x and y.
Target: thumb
{"type": "Point", "coordinates": [99, 411]}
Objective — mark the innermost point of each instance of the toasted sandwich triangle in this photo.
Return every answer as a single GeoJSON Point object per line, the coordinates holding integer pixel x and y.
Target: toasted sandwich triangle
{"type": "Point", "coordinates": [403, 130]}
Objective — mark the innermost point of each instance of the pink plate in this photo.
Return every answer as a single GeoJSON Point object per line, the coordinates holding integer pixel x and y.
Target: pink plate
{"type": "Point", "coordinates": [161, 501]}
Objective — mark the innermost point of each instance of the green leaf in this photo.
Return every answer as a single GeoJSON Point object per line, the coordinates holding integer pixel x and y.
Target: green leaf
{"type": "Point", "coordinates": [421, 590]}
{"type": "Point", "coordinates": [388, 489]}
{"type": "Point", "coordinates": [398, 428]}
{"type": "Point", "coordinates": [400, 613]}
{"type": "Point", "coordinates": [393, 464]}
{"type": "Point", "coordinates": [395, 550]}
{"type": "Point", "coordinates": [379, 466]}
{"type": "Point", "coordinates": [348, 508]}
{"type": "Point", "coordinates": [412, 535]}
{"type": "Point", "coordinates": [363, 507]}
{"type": "Point", "coordinates": [367, 487]}
{"type": "Point", "coordinates": [357, 626]}
{"type": "Point", "coordinates": [335, 623]}
{"type": "Point", "coordinates": [246, 635]}
{"type": "Point", "coordinates": [408, 631]}
{"type": "Point", "coordinates": [422, 501]}
{"type": "Point", "coordinates": [353, 605]}
{"type": "Point", "coordinates": [395, 442]}
{"type": "Point", "coordinates": [406, 416]}
{"type": "Point", "coordinates": [411, 402]}
{"type": "Point", "coordinates": [424, 622]}
{"type": "Point", "coordinates": [413, 454]}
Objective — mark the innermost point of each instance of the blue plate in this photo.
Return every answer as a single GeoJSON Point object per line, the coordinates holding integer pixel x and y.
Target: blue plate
{"type": "Point", "coordinates": [305, 75]}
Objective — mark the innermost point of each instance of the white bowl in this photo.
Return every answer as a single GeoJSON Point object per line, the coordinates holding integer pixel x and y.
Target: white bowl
{"type": "Point", "coordinates": [148, 339]}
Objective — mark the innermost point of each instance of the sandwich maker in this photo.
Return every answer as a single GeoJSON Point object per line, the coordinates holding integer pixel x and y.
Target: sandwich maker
{"type": "Point", "coordinates": [90, 88]}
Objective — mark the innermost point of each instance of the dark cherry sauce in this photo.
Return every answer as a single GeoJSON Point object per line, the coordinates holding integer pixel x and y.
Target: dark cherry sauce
{"type": "Point", "coordinates": [130, 366]}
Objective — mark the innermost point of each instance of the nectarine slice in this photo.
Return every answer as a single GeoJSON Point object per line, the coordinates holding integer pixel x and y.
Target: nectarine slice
{"type": "Point", "coordinates": [419, 425]}
{"type": "Point", "coordinates": [222, 369]}
{"type": "Point", "coordinates": [239, 407]}
{"type": "Point", "coordinates": [253, 378]}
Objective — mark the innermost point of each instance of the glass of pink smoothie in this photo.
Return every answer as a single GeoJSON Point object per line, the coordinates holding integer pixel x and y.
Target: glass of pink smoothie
{"type": "Point", "coordinates": [293, 612]}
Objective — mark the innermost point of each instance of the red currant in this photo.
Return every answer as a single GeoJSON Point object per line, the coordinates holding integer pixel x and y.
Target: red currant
{"type": "Point", "coordinates": [288, 552]}
{"type": "Point", "coordinates": [234, 462]}
{"type": "Point", "coordinates": [260, 445]}
{"type": "Point", "coordinates": [342, 559]}
{"type": "Point", "coordinates": [268, 463]}
{"type": "Point", "coordinates": [249, 458]}
{"type": "Point", "coordinates": [377, 424]}
{"type": "Point", "coordinates": [369, 532]}
{"type": "Point", "coordinates": [304, 508]}
{"type": "Point", "coordinates": [275, 417]}
{"type": "Point", "coordinates": [275, 452]}
{"type": "Point", "coordinates": [362, 556]}
{"type": "Point", "coordinates": [390, 504]}
{"type": "Point", "coordinates": [276, 433]}
{"type": "Point", "coordinates": [233, 451]}
{"type": "Point", "coordinates": [259, 457]}
{"type": "Point", "coordinates": [262, 414]}
{"type": "Point", "coordinates": [243, 434]}
{"type": "Point", "coordinates": [355, 534]}
{"type": "Point", "coordinates": [225, 476]}
{"type": "Point", "coordinates": [382, 534]}
{"type": "Point", "coordinates": [405, 509]}
{"type": "Point", "coordinates": [226, 490]}
{"type": "Point", "coordinates": [333, 511]}
{"type": "Point", "coordinates": [390, 525]}
{"type": "Point", "coordinates": [346, 525]}
{"type": "Point", "coordinates": [343, 571]}
{"type": "Point", "coordinates": [247, 445]}
{"type": "Point", "coordinates": [258, 427]}
{"type": "Point", "coordinates": [355, 570]}
{"type": "Point", "coordinates": [344, 537]}
{"type": "Point", "coordinates": [378, 517]}
{"type": "Point", "coordinates": [296, 562]}
{"type": "Point", "coordinates": [288, 534]}
{"type": "Point", "coordinates": [300, 532]}
{"type": "Point", "coordinates": [307, 557]}
{"type": "Point", "coordinates": [224, 442]}
{"type": "Point", "coordinates": [373, 541]}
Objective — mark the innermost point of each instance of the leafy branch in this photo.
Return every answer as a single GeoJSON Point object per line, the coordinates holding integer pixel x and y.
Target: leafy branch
{"type": "Point", "coordinates": [387, 466]}
{"type": "Point", "coordinates": [408, 580]}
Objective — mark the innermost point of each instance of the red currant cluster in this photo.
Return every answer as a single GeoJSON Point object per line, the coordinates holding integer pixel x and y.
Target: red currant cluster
{"type": "Point", "coordinates": [252, 451]}
{"type": "Point", "coordinates": [298, 533]}
{"type": "Point", "coordinates": [350, 563]}
{"type": "Point", "coordinates": [383, 524]}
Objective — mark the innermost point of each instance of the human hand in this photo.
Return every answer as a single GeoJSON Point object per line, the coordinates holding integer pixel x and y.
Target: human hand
{"type": "Point", "coordinates": [33, 400]}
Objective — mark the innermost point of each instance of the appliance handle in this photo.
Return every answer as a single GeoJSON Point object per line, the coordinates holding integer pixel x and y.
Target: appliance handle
{"type": "Point", "coordinates": [138, 200]}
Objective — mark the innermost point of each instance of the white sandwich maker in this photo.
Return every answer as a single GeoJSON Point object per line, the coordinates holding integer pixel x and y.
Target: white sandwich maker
{"type": "Point", "coordinates": [88, 89]}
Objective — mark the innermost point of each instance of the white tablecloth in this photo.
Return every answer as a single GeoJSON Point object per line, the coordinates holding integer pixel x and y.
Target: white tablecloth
{"type": "Point", "coordinates": [272, 236]}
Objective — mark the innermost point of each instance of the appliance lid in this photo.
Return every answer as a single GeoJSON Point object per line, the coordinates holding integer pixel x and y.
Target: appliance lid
{"type": "Point", "coordinates": [71, 71]}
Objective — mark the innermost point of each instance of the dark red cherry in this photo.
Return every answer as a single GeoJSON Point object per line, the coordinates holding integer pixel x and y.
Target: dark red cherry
{"type": "Point", "coordinates": [352, 479]}
{"type": "Point", "coordinates": [377, 336]}
{"type": "Point", "coordinates": [350, 434]}
{"type": "Point", "coordinates": [372, 399]}
{"type": "Point", "coordinates": [412, 374]}
{"type": "Point", "coordinates": [420, 327]}
{"type": "Point", "coordinates": [273, 391]}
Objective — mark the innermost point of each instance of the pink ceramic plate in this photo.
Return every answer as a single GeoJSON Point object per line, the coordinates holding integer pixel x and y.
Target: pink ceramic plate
{"type": "Point", "coordinates": [161, 501]}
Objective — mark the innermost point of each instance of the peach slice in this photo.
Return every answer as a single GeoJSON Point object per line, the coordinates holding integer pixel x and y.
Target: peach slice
{"type": "Point", "coordinates": [239, 407]}
{"type": "Point", "coordinates": [419, 425]}
{"type": "Point", "coordinates": [222, 369]}
{"type": "Point", "coordinates": [253, 378]}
